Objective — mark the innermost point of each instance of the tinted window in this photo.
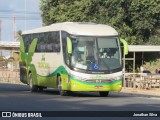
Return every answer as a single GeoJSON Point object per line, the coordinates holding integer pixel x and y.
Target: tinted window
{"type": "Point", "coordinates": [41, 43]}
{"type": "Point", "coordinates": [27, 41]}
{"type": "Point", "coordinates": [56, 42]}
{"type": "Point", "coordinates": [64, 44]}
{"type": "Point", "coordinates": [48, 42]}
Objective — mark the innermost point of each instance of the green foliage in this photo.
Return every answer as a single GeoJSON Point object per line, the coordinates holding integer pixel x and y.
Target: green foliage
{"type": "Point", "coordinates": [27, 57]}
{"type": "Point", "coordinates": [31, 51]}
{"type": "Point", "coordinates": [11, 59]}
{"type": "Point", "coordinates": [71, 11]}
{"type": "Point", "coordinates": [136, 20]}
{"type": "Point", "coordinates": [1, 58]}
{"type": "Point", "coordinates": [22, 50]}
{"type": "Point", "coordinates": [18, 34]}
{"type": "Point", "coordinates": [155, 38]}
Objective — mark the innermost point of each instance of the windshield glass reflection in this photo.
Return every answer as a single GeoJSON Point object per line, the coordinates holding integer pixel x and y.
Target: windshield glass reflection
{"type": "Point", "coordinates": [95, 53]}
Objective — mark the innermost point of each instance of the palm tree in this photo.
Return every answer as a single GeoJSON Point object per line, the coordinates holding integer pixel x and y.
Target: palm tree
{"type": "Point", "coordinates": [18, 35]}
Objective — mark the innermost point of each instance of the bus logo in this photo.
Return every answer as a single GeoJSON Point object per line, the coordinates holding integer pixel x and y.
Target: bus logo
{"type": "Point", "coordinates": [42, 64]}
{"type": "Point", "coordinates": [43, 57]}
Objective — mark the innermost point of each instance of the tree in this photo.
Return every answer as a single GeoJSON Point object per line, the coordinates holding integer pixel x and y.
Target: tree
{"type": "Point", "coordinates": [71, 10]}
{"type": "Point", "coordinates": [18, 34]}
{"type": "Point", "coordinates": [136, 20]}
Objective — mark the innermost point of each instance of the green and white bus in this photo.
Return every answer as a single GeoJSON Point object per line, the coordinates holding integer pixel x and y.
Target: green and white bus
{"type": "Point", "coordinates": [72, 56]}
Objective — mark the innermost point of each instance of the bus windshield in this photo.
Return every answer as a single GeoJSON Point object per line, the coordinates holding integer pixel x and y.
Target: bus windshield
{"type": "Point", "coordinates": [96, 53]}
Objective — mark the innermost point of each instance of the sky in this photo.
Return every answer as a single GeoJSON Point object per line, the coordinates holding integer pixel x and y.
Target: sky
{"type": "Point", "coordinates": [27, 16]}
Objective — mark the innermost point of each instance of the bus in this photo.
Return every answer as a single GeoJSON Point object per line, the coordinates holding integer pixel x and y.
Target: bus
{"type": "Point", "coordinates": [72, 56]}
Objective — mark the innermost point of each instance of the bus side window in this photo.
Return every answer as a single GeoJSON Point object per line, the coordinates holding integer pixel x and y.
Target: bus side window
{"type": "Point", "coordinates": [31, 37]}
{"type": "Point", "coordinates": [24, 40]}
{"type": "Point", "coordinates": [27, 42]}
{"type": "Point", "coordinates": [49, 42]}
{"type": "Point", "coordinates": [64, 47]}
{"type": "Point", "coordinates": [41, 44]}
{"type": "Point", "coordinates": [36, 36]}
{"type": "Point", "coordinates": [38, 46]}
{"type": "Point", "coordinates": [56, 41]}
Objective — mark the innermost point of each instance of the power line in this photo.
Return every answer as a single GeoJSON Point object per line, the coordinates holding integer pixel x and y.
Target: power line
{"type": "Point", "coordinates": [8, 14]}
{"type": "Point", "coordinates": [26, 12]}
{"type": "Point", "coordinates": [21, 18]}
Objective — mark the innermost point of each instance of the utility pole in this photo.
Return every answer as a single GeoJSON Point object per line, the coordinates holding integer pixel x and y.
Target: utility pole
{"type": "Point", "coordinates": [25, 7]}
{"type": "Point", "coordinates": [14, 28]}
{"type": "Point", "coordinates": [0, 35]}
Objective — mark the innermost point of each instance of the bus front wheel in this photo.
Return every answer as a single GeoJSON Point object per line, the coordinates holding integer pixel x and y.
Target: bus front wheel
{"type": "Point", "coordinates": [104, 93]}
{"type": "Point", "coordinates": [33, 88]}
{"type": "Point", "coordinates": [62, 92]}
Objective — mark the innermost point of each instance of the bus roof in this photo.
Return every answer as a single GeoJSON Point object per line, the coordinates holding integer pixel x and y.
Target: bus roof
{"type": "Point", "coordinates": [77, 28]}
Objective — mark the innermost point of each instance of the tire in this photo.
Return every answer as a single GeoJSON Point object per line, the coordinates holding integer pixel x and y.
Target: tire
{"type": "Point", "coordinates": [40, 89]}
{"type": "Point", "coordinates": [104, 93]}
{"type": "Point", "coordinates": [33, 88]}
{"type": "Point", "coordinates": [69, 93]}
{"type": "Point", "coordinates": [61, 92]}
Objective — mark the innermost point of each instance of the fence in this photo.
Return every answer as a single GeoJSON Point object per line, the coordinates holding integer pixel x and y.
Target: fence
{"type": "Point", "coordinates": [142, 67]}
{"type": "Point", "coordinates": [142, 80]}
{"type": "Point", "coordinates": [7, 76]}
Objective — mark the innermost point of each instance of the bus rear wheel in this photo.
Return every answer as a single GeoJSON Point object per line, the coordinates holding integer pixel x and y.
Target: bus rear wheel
{"type": "Point", "coordinates": [33, 88]}
{"type": "Point", "coordinates": [40, 89]}
{"type": "Point", "coordinates": [62, 92]}
{"type": "Point", "coordinates": [104, 93]}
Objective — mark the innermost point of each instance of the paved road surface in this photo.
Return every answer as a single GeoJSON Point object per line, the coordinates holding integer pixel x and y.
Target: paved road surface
{"type": "Point", "coordinates": [19, 98]}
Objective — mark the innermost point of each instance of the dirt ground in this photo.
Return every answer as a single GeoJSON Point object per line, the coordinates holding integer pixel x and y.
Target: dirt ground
{"type": "Point", "coordinates": [152, 91]}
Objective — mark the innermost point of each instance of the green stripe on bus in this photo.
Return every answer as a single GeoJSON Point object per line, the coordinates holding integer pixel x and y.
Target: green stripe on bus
{"type": "Point", "coordinates": [59, 70]}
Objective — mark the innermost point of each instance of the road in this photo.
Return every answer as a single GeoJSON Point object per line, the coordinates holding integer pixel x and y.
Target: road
{"type": "Point", "coordinates": [18, 98]}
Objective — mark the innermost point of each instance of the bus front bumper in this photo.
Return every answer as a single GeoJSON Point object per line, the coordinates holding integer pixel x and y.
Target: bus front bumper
{"type": "Point", "coordinates": [77, 85]}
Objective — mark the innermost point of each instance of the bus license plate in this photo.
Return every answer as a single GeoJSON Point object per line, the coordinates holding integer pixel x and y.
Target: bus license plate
{"type": "Point", "coordinates": [98, 87]}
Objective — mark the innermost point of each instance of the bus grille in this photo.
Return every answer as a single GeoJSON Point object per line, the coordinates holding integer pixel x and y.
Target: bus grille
{"type": "Point", "coordinates": [98, 81]}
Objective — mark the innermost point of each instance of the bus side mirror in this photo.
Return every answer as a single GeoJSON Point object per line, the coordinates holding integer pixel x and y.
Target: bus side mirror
{"type": "Point", "coordinates": [125, 46]}
{"type": "Point", "coordinates": [69, 45]}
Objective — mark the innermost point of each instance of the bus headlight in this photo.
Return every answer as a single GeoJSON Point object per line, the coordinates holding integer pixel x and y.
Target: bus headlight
{"type": "Point", "coordinates": [77, 77]}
